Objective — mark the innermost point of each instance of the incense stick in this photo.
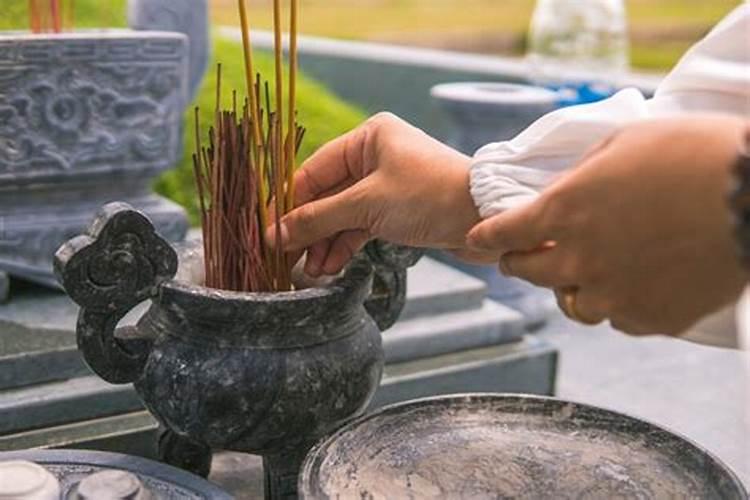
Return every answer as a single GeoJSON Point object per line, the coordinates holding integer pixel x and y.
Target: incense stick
{"type": "Point", "coordinates": [247, 164]}
{"type": "Point", "coordinates": [293, 63]}
{"type": "Point", "coordinates": [55, 11]}
{"type": "Point", "coordinates": [53, 16]}
{"type": "Point", "coordinates": [34, 21]}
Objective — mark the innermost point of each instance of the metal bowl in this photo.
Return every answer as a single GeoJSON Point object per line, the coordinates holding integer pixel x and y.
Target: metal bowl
{"type": "Point", "coordinates": [510, 446]}
{"type": "Point", "coordinates": [71, 467]}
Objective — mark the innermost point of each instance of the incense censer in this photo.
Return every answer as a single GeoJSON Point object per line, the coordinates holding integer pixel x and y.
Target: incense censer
{"type": "Point", "coordinates": [269, 374]}
{"type": "Point", "coordinates": [91, 116]}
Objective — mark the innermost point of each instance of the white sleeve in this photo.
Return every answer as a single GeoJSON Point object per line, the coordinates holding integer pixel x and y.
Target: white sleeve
{"type": "Point", "coordinates": [712, 76]}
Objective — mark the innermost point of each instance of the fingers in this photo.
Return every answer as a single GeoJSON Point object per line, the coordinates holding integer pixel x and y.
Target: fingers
{"type": "Point", "coordinates": [519, 229]}
{"type": "Point", "coordinates": [545, 267]}
{"type": "Point", "coordinates": [316, 257]}
{"type": "Point", "coordinates": [317, 220]}
{"type": "Point", "coordinates": [343, 249]}
{"type": "Point", "coordinates": [336, 165]}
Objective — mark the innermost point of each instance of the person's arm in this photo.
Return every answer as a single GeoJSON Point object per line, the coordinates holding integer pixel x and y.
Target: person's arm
{"type": "Point", "coordinates": [386, 179]}
{"type": "Point", "coordinates": [640, 231]}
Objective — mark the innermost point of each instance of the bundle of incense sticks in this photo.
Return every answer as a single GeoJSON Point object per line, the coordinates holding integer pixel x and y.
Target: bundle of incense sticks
{"type": "Point", "coordinates": [51, 16]}
{"type": "Point", "coordinates": [245, 175]}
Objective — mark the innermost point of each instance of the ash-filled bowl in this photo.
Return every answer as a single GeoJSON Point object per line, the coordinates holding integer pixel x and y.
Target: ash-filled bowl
{"type": "Point", "coordinates": [510, 446]}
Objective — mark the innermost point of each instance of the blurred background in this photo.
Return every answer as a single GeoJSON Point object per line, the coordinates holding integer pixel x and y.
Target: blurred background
{"type": "Point", "coordinates": [661, 30]}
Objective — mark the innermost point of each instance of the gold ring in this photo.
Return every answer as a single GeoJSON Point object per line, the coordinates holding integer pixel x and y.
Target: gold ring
{"type": "Point", "coordinates": [570, 308]}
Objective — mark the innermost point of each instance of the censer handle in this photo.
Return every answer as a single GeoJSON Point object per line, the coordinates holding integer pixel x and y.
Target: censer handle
{"type": "Point", "coordinates": [120, 262]}
{"type": "Point", "coordinates": [389, 285]}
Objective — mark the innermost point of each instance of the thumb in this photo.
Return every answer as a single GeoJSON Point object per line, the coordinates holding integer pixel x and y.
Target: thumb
{"type": "Point", "coordinates": [318, 220]}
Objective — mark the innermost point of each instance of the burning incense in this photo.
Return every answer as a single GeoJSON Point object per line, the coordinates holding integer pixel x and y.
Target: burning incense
{"type": "Point", "coordinates": [51, 16]}
{"type": "Point", "coordinates": [246, 172]}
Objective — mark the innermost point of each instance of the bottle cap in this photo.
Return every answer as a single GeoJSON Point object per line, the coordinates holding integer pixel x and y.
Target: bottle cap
{"type": "Point", "coordinates": [112, 485]}
{"type": "Point", "coordinates": [20, 480]}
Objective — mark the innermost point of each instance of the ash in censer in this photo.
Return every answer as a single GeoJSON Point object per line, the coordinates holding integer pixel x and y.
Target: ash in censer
{"type": "Point", "coordinates": [245, 173]}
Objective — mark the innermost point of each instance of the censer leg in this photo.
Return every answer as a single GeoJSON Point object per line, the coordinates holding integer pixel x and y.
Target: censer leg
{"type": "Point", "coordinates": [185, 454]}
{"type": "Point", "coordinates": [281, 471]}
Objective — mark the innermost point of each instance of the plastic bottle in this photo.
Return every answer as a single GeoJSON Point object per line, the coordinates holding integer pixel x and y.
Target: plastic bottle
{"type": "Point", "coordinates": [579, 47]}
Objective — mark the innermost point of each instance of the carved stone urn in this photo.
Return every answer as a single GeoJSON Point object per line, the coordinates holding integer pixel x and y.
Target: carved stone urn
{"type": "Point", "coordinates": [89, 117]}
{"type": "Point", "coordinates": [268, 374]}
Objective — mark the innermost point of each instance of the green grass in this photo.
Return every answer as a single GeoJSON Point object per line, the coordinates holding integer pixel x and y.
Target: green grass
{"type": "Point", "coordinates": [324, 115]}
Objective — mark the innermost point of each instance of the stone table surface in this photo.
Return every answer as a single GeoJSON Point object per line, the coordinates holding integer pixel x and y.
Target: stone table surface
{"type": "Point", "coordinates": [700, 392]}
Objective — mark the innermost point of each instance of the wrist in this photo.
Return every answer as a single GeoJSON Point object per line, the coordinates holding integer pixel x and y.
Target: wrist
{"type": "Point", "coordinates": [458, 205]}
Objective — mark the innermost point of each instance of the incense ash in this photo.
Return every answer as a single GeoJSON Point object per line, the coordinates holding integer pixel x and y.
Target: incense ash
{"type": "Point", "coordinates": [245, 171]}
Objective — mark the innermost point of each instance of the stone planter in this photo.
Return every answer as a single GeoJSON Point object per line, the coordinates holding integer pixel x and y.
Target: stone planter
{"type": "Point", "coordinates": [489, 112]}
{"type": "Point", "coordinates": [268, 374]}
{"type": "Point", "coordinates": [86, 118]}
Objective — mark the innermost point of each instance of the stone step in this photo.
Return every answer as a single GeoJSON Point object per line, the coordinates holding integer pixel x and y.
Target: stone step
{"type": "Point", "coordinates": [428, 336]}
{"type": "Point", "coordinates": [59, 403]}
{"type": "Point", "coordinates": [435, 288]}
{"type": "Point", "coordinates": [131, 433]}
{"type": "Point", "coordinates": [526, 366]}
{"type": "Point", "coordinates": [37, 338]}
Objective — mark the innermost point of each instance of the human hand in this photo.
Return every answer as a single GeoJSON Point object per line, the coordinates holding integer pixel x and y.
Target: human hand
{"type": "Point", "coordinates": [385, 179]}
{"type": "Point", "coordinates": [639, 231]}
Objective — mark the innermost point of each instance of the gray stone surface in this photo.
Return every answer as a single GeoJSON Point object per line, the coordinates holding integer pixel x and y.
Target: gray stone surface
{"type": "Point", "coordinates": [700, 392]}
{"type": "Point", "coordinates": [527, 366]}
{"type": "Point", "coordinates": [130, 433]}
{"type": "Point", "coordinates": [92, 117]}
{"type": "Point", "coordinates": [81, 398]}
{"type": "Point", "coordinates": [37, 338]}
{"type": "Point", "coordinates": [434, 335]}
{"type": "Point", "coordinates": [434, 288]}
{"type": "Point", "coordinates": [484, 112]}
